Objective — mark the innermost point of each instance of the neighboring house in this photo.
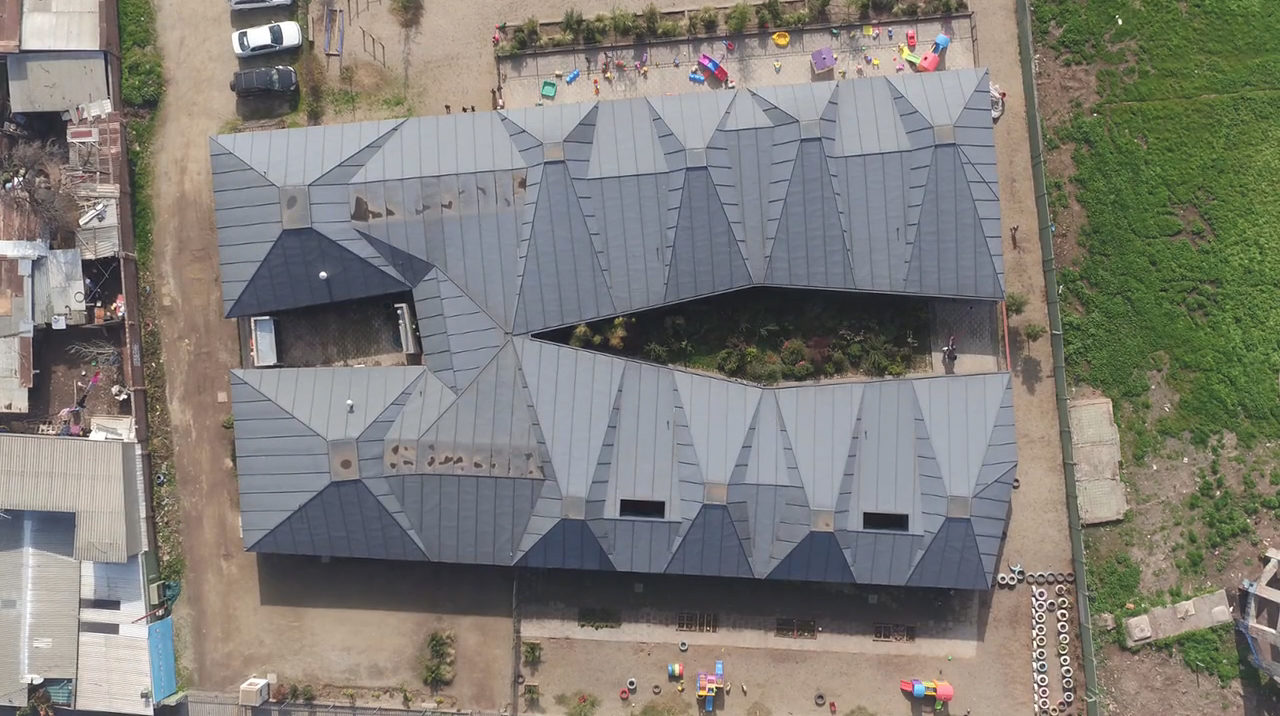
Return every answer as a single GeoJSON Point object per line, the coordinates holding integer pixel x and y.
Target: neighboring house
{"type": "Point", "coordinates": [74, 608]}
{"type": "Point", "coordinates": [55, 52]}
{"type": "Point", "coordinates": [506, 449]}
{"type": "Point", "coordinates": [39, 286]}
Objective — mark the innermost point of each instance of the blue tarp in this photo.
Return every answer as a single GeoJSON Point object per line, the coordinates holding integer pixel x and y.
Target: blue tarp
{"type": "Point", "coordinates": [164, 670]}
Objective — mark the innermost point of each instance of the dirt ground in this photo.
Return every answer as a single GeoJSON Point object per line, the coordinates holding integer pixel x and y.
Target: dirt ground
{"type": "Point", "coordinates": [361, 623]}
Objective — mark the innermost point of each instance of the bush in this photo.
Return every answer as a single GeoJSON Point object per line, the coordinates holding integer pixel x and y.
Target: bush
{"type": "Point", "coordinates": [308, 693]}
{"type": "Point", "coordinates": [593, 31]}
{"type": "Point", "coordinates": [532, 653]}
{"type": "Point", "coordinates": [730, 361]}
{"type": "Point", "coordinates": [436, 663]}
{"type": "Point", "coordinates": [623, 23]}
{"type": "Point", "coordinates": [1033, 332]}
{"type": "Point", "coordinates": [650, 20]}
{"type": "Point", "coordinates": [1015, 302]}
{"type": "Point", "coordinates": [407, 12]}
{"type": "Point", "coordinates": [573, 23]}
{"type": "Point", "coordinates": [792, 351]}
{"type": "Point", "coordinates": [669, 28]}
{"type": "Point", "coordinates": [708, 18]}
{"type": "Point", "coordinates": [137, 24]}
{"type": "Point", "coordinates": [526, 34]}
{"type": "Point", "coordinates": [799, 18]}
{"type": "Point", "coordinates": [769, 13]}
{"type": "Point", "coordinates": [817, 9]}
{"type": "Point", "coordinates": [142, 78]}
{"type": "Point", "coordinates": [655, 352]}
{"type": "Point", "coordinates": [738, 18]}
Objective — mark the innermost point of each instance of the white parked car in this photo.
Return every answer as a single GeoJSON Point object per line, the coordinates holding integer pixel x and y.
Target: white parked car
{"type": "Point", "coordinates": [256, 4]}
{"type": "Point", "coordinates": [266, 38]}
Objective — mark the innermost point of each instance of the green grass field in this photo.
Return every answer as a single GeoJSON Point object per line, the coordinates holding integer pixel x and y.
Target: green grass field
{"type": "Point", "coordinates": [1177, 167]}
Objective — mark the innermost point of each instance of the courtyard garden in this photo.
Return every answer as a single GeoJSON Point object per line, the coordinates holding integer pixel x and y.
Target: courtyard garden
{"type": "Point", "coordinates": [768, 335]}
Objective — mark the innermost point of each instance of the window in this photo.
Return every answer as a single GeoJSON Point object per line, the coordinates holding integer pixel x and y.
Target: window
{"type": "Point", "coordinates": [112, 604]}
{"type": "Point", "coordinates": [884, 521]}
{"type": "Point", "coordinates": [99, 628]}
{"type": "Point", "coordinates": [650, 509]}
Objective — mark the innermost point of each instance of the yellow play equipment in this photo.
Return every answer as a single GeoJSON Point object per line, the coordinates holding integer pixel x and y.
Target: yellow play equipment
{"type": "Point", "coordinates": [781, 39]}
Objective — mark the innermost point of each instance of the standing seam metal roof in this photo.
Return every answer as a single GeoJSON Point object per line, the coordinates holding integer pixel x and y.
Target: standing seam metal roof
{"type": "Point", "coordinates": [547, 440]}
{"type": "Point", "coordinates": [503, 449]}
{"type": "Point", "coordinates": [553, 216]}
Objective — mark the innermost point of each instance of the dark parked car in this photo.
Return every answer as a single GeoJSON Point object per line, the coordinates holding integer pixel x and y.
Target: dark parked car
{"type": "Point", "coordinates": [264, 80]}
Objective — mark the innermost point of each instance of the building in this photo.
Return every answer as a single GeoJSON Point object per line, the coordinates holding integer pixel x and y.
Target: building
{"type": "Point", "coordinates": [506, 449]}
{"type": "Point", "coordinates": [74, 607]}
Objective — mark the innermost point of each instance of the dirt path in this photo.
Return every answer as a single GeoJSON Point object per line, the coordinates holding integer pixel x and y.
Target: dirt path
{"type": "Point", "coordinates": [198, 343]}
{"type": "Point", "coordinates": [238, 616]}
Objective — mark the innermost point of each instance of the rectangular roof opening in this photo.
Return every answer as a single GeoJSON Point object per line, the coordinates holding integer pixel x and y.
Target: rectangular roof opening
{"type": "Point", "coordinates": [647, 509]}
{"type": "Point", "coordinates": [890, 521]}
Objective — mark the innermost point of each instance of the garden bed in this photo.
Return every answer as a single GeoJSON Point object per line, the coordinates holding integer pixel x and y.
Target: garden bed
{"type": "Point", "coordinates": [769, 335]}
{"type": "Point", "coordinates": [622, 27]}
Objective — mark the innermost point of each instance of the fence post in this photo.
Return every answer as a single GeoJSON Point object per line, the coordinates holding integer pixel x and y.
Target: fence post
{"type": "Point", "coordinates": [1093, 694]}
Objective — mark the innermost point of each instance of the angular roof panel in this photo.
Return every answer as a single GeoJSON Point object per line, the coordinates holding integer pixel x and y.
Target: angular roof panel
{"type": "Point", "coordinates": [881, 172]}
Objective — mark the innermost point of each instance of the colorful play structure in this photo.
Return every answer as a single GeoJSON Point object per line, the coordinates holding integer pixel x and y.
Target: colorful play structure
{"type": "Point", "coordinates": [781, 39]}
{"type": "Point", "coordinates": [709, 683]}
{"type": "Point", "coordinates": [822, 60]}
{"type": "Point", "coordinates": [940, 691]}
{"type": "Point", "coordinates": [714, 68]}
{"type": "Point", "coordinates": [929, 60]}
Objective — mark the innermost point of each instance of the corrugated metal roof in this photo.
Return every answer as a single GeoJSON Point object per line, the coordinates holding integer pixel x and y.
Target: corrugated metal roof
{"type": "Point", "coordinates": [551, 216]}
{"type": "Point", "coordinates": [56, 81]}
{"type": "Point", "coordinates": [92, 479]}
{"type": "Point", "coordinates": [59, 285]}
{"type": "Point", "coordinates": [531, 461]}
{"type": "Point", "coordinates": [114, 669]}
{"type": "Point", "coordinates": [100, 237]}
{"type": "Point", "coordinates": [39, 599]}
{"type": "Point", "coordinates": [60, 25]}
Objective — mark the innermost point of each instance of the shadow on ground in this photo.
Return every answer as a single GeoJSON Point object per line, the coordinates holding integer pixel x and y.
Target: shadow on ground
{"type": "Point", "coordinates": [360, 584]}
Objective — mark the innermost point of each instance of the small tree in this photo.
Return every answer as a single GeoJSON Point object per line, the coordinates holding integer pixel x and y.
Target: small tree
{"type": "Point", "coordinates": [622, 22]}
{"type": "Point", "coordinates": [709, 19]}
{"type": "Point", "coordinates": [573, 23]}
{"type": "Point", "coordinates": [650, 20]}
{"type": "Point", "coordinates": [738, 19]}
{"type": "Point", "coordinates": [532, 653]}
{"type": "Point", "coordinates": [1033, 332]}
{"type": "Point", "coordinates": [526, 34]}
{"type": "Point", "coordinates": [1015, 302]}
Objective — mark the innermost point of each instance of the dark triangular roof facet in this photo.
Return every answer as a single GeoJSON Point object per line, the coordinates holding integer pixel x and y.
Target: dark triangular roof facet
{"type": "Point", "coordinates": [289, 277]}
{"type": "Point", "coordinates": [818, 558]}
{"type": "Point", "coordinates": [343, 520]}
{"type": "Point", "coordinates": [711, 547]}
{"type": "Point", "coordinates": [570, 544]}
{"type": "Point", "coordinates": [951, 560]}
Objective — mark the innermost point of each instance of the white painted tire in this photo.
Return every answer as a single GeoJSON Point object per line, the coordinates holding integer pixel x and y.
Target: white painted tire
{"type": "Point", "coordinates": [1063, 627]}
{"type": "Point", "coordinates": [1068, 697]}
{"type": "Point", "coordinates": [1067, 672]}
{"type": "Point", "coordinates": [1064, 660]}
{"type": "Point", "coordinates": [1064, 638]}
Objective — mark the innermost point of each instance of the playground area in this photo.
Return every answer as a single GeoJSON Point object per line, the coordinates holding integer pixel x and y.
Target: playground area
{"type": "Point", "coordinates": [754, 60]}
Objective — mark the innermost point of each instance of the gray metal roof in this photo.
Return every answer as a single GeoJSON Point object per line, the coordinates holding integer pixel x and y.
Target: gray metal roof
{"type": "Point", "coordinates": [60, 25]}
{"type": "Point", "coordinates": [39, 600]}
{"type": "Point", "coordinates": [57, 81]}
{"type": "Point", "coordinates": [503, 449]}
{"type": "Point", "coordinates": [529, 462]}
{"type": "Point", "coordinates": [96, 480]}
{"type": "Point", "coordinates": [551, 216]}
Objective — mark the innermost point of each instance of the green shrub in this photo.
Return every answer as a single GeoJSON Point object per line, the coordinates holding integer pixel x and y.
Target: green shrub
{"type": "Point", "coordinates": [817, 9]}
{"type": "Point", "coordinates": [1015, 302]}
{"type": "Point", "coordinates": [525, 35]}
{"type": "Point", "coordinates": [142, 78]}
{"type": "Point", "coordinates": [738, 19]}
{"type": "Point", "coordinates": [650, 20]}
{"type": "Point", "coordinates": [799, 18]}
{"type": "Point", "coordinates": [707, 19]}
{"type": "Point", "coordinates": [137, 24]}
{"type": "Point", "coordinates": [407, 12]}
{"type": "Point", "coordinates": [669, 28]}
{"type": "Point", "coordinates": [792, 351]}
{"type": "Point", "coordinates": [1033, 332]}
{"type": "Point", "coordinates": [573, 24]}
{"type": "Point", "coordinates": [623, 22]}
